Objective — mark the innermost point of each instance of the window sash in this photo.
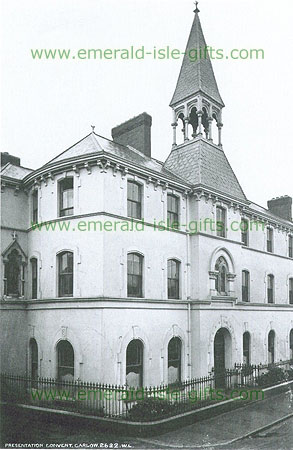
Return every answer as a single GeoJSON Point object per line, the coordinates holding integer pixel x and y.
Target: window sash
{"type": "Point", "coordinates": [269, 240]}
{"type": "Point", "coordinates": [65, 275]}
{"type": "Point", "coordinates": [34, 267]}
{"type": "Point", "coordinates": [173, 210]}
{"type": "Point", "coordinates": [221, 220]}
{"type": "Point", "coordinates": [133, 200]}
{"type": "Point", "coordinates": [66, 197]}
{"type": "Point", "coordinates": [244, 232]}
{"type": "Point", "coordinates": [290, 247]}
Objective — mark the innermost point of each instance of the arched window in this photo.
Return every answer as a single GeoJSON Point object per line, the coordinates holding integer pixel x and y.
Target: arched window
{"type": "Point", "coordinates": [270, 288]}
{"type": "Point", "coordinates": [173, 278]}
{"type": "Point", "coordinates": [33, 356]}
{"type": "Point", "coordinates": [291, 344]}
{"type": "Point", "coordinates": [65, 274]}
{"type": "Point", "coordinates": [65, 360]}
{"type": "Point", "coordinates": [14, 274]}
{"type": "Point", "coordinates": [246, 348]}
{"type": "Point", "coordinates": [221, 280]}
{"type": "Point", "coordinates": [134, 275]}
{"type": "Point", "coordinates": [134, 363]}
{"type": "Point", "coordinates": [271, 347]}
{"type": "Point", "coordinates": [174, 360]}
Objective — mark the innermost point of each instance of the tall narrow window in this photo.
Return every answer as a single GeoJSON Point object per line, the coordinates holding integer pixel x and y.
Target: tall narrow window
{"type": "Point", "coordinates": [291, 291]}
{"type": "Point", "coordinates": [66, 197]}
{"type": "Point", "coordinates": [270, 235]}
{"type": "Point", "coordinates": [14, 275]}
{"type": "Point", "coordinates": [34, 269]}
{"type": "Point", "coordinates": [35, 206]}
{"type": "Point", "coordinates": [291, 344]}
{"type": "Point", "coordinates": [134, 275]}
{"type": "Point", "coordinates": [65, 358]}
{"type": "Point", "coordinates": [270, 288]}
{"type": "Point", "coordinates": [134, 364]}
{"type": "Point", "coordinates": [174, 360]}
{"type": "Point", "coordinates": [173, 278]}
{"type": "Point", "coordinates": [33, 355]}
{"type": "Point", "coordinates": [244, 226]}
{"type": "Point", "coordinates": [246, 348]}
{"type": "Point", "coordinates": [65, 274]}
{"type": "Point", "coordinates": [290, 246]}
{"type": "Point", "coordinates": [271, 347]}
{"type": "Point", "coordinates": [173, 211]}
{"type": "Point", "coordinates": [133, 199]}
{"type": "Point", "coordinates": [245, 286]}
{"type": "Point", "coordinates": [222, 272]}
{"type": "Point", "coordinates": [221, 222]}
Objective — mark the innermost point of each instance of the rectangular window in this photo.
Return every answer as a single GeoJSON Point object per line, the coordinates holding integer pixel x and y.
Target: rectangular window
{"type": "Point", "coordinates": [245, 286]}
{"type": "Point", "coordinates": [172, 211]}
{"type": "Point", "coordinates": [244, 231]}
{"type": "Point", "coordinates": [291, 291]}
{"type": "Point", "coordinates": [35, 206]}
{"type": "Point", "coordinates": [34, 267]}
{"type": "Point", "coordinates": [270, 288]}
{"type": "Point", "coordinates": [270, 235]}
{"type": "Point", "coordinates": [66, 197]}
{"type": "Point", "coordinates": [221, 221]}
{"type": "Point", "coordinates": [133, 200]}
{"type": "Point", "coordinates": [290, 247]}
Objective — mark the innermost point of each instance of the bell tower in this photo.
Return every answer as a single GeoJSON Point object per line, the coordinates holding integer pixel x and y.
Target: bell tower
{"type": "Point", "coordinates": [196, 102]}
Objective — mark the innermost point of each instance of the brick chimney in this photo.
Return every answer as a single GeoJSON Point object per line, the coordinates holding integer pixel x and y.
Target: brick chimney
{"type": "Point", "coordinates": [6, 158]}
{"type": "Point", "coordinates": [135, 132]}
{"type": "Point", "coordinates": [281, 206]}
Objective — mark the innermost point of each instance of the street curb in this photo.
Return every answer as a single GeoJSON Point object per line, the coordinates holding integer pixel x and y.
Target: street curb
{"type": "Point", "coordinates": [232, 441]}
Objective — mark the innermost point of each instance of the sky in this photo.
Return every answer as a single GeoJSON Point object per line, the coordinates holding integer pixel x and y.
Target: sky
{"type": "Point", "coordinates": [48, 105]}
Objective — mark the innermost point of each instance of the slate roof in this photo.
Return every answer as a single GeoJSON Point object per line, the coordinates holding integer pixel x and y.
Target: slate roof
{"type": "Point", "coordinates": [200, 162]}
{"type": "Point", "coordinates": [199, 75]}
{"type": "Point", "coordinates": [15, 172]}
{"type": "Point", "coordinates": [95, 144]}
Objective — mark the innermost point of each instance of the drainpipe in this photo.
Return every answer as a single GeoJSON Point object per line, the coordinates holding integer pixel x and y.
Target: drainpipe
{"type": "Point", "coordinates": [189, 339]}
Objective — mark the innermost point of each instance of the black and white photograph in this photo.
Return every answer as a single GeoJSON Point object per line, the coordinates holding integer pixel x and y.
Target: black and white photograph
{"type": "Point", "coordinates": [146, 224]}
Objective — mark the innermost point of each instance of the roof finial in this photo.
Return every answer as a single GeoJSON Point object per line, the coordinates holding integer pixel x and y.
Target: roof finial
{"type": "Point", "coordinates": [93, 128]}
{"type": "Point", "coordinates": [196, 8]}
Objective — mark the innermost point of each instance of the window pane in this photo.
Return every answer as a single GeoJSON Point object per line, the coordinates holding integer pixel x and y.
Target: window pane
{"type": "Point", "coordinates": [134, 275]}
{"type": "Point", "coordinates": [133, 200]}
{"type": "Point", "coordinates": [221, 222]}
{"type": "Point", "coordinates": [173, 278]}
{"type": "Point", "coordinates": [65, 263]}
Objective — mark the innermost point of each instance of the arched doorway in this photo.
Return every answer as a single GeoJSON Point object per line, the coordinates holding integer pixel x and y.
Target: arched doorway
{"type": "Point", "coordinates": [65, 361]}
{"type": "Point", "coordinates": [222, 356]}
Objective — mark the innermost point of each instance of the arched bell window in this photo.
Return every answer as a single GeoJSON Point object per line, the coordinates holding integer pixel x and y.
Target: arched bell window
{"type": "Point", "coordinates": [221, 268]}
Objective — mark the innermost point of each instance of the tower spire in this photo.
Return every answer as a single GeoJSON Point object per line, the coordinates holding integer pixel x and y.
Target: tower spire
{"type": "Point", "coordinates": [197, 100]}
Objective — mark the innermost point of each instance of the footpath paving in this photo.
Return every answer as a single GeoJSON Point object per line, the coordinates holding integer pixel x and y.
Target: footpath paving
{"type": "Point", "coordinates": [229, 427]}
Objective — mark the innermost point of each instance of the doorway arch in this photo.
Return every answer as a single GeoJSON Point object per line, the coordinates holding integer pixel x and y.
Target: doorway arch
{"type": "Point", "coordinates": [222, 356]}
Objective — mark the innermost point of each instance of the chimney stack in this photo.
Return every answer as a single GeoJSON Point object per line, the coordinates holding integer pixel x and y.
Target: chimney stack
{"type": "Point", "coordinates": [135, 132]}
{"type": "Point", "coordinates": [6, 158]}
{"type": "Point", "coordinates": [281, 206]}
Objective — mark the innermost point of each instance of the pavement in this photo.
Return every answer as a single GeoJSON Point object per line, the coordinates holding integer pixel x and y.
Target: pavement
{"type": "Point", "coordinates": [228, 428]}
{"type": "Point", "coordinates": [266, 424]}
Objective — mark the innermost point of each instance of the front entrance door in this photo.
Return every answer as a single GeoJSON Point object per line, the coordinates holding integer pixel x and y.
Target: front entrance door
{"type": "Point", "coordinates": [219, 359]}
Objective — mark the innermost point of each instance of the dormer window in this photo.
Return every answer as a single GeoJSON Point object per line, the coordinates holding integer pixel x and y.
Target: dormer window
{"type": "Point", "coordinates": [66, 197]}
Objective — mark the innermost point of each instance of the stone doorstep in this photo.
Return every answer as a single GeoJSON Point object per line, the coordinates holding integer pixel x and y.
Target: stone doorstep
{"type": "Point", "coordinates": [164, 425]}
